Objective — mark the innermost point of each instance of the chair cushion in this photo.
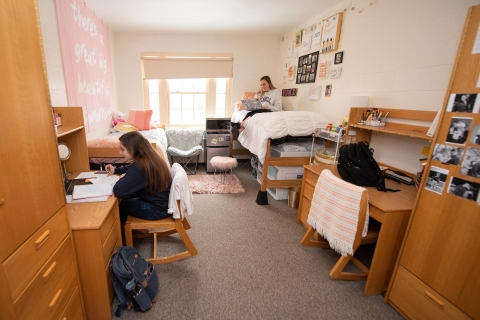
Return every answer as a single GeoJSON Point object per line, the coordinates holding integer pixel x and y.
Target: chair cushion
{"type": "Point", "coordinates": [195, 151]}
{"type": "Point", "coordinates": [140, 118]}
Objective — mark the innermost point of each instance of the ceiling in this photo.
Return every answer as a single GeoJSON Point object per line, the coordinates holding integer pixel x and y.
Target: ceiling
{"type": "Point", "coordinates": [216, 17]}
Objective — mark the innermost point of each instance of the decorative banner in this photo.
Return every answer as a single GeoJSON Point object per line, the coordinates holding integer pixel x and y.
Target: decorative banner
{"type": "Point", "coordinates": [289, 92]}
{"type": "Point", "coordinates": [87, 66]}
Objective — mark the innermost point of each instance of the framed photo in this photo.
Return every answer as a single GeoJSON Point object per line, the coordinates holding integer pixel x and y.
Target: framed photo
{"type": "Point", "coordinates": [331, 33]}
{"type": "Point", "coordinates": [338, 57]}
{"type": "Point", "coordinates": [307, 68]}
{"type": "Point", "coordinates": [298, 38]}
{"type": "Point", "coordinates": [328, 90]}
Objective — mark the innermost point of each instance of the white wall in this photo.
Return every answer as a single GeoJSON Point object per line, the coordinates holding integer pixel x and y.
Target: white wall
{"type": "Point", "coordinates": [398, 53]}
{"type": "Point", "coordinates": [253, 57]}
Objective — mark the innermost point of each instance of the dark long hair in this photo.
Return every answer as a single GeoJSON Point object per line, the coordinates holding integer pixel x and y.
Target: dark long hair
{"type": "Point", "coordinates": [266, 78]}
{"type": "Point", "coordinates": [152, 166]}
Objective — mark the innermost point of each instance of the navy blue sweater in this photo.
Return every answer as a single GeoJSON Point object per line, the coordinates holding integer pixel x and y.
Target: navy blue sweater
{"type": "Point", "coordinates": [133, 185]}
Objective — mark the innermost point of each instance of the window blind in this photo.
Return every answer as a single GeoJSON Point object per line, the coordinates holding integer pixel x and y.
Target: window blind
{"type": "Point", "coordinates": [187, 67]}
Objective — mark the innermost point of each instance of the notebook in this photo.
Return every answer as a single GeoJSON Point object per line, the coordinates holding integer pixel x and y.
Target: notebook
{"type": "Point", "coordinates": [91, 191]}
{"type": "Point", "coordinates": [252, 104]}
{"type": "Point", "coordinates": [72, 183]}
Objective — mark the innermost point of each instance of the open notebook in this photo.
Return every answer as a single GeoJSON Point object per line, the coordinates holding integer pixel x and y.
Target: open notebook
{"type": "Point", "coordinates": [91, 191]}
{"type": "Point", "coordinates": [252, 104]}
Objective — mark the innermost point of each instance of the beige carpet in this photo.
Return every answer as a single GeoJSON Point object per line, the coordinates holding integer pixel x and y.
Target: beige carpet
{"type": "Point", "coordinates": [203, 183]}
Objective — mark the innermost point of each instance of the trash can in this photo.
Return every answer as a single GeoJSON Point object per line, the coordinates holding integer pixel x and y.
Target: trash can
{"type": "Point", "coordinates": [294, 196]}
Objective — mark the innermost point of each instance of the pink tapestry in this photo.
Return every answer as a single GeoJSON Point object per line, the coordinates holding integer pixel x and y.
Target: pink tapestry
{"type": "Point", "coordinates": [86, 62]}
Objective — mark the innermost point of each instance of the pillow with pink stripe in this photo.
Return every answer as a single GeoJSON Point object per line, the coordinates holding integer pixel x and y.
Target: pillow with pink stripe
{"type": "Point", "coordinates": [140, 118]}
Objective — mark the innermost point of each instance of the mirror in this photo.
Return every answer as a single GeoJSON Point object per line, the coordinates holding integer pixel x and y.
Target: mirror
{"type": "Point", "coordinates": [64, 153]}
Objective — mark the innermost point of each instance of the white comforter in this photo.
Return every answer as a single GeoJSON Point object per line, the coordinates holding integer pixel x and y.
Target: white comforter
{"type": "Point", "coordinates": [262, 126]}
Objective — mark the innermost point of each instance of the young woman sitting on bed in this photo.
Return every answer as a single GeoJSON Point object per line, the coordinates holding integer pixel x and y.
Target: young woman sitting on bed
{"type": "Point", "coordinates": [270, 98]}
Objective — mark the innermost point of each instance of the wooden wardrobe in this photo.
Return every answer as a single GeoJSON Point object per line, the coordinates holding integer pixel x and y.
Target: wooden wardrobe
{"type": "Point", "coordinates": [38, 271]}
{"type": "Point", "coordinates": [437, 275]}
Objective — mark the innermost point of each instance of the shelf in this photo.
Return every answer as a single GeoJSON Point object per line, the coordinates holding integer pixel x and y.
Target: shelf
{"type": "Point", "coordinates": [329, 135]}
{"type": "Point", "coordinates": [412, 131]}
{"type": "Point", "coordinates": [64, 130]}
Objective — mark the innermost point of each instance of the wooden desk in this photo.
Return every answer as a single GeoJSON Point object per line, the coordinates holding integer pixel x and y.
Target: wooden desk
{"type": "Point", "coordinates": [95, 228]}
{"type": "Point", "coordinates": [391, 209]}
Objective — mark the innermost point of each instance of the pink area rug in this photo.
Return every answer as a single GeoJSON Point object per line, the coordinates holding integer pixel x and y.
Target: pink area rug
{"type": "Point", "coordinates": [205, 183]}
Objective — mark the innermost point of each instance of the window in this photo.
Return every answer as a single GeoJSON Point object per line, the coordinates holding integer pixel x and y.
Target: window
{"type": "Point", "coordinates": [187, 102]}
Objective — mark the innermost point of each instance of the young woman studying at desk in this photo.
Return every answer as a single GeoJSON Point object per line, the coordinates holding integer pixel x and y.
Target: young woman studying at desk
{"type": "Point", "coordinates": [144, 186]}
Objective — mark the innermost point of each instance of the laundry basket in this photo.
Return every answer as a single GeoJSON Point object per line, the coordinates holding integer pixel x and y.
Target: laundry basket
{"type": "Point", "coordinates": [325, 156]}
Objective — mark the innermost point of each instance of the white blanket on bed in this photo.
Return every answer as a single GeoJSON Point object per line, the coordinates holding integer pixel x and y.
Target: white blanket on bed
{"type": "Point", "coordinates": [262, 126]}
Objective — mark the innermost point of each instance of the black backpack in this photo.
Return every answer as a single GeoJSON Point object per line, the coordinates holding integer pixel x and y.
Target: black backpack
{"type": "Point", "coordinates": [135, 280]}
{"type": "Point", "coordinates": [357, 165]}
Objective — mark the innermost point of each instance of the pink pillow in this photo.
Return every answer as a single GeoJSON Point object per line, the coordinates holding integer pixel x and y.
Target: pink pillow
{"type": "Point", "coordinates": [140, 118]}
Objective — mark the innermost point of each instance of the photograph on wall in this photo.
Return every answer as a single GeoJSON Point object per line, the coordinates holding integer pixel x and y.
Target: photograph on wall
{"type": "Point", "coordinates": [323, 69]}
{"type": "Point", "coordinates": [328, 90]}
{"type": "Point", "coordinates": [458, 131]}
{"type": "Point", "coordinates": [471, 163]}
{"type": "Point", "coordinates": [331, 33]}
{"type": "Point", "coordinates": [447, 154]}
{"type": "Point", "coordinates": [463, 188]}
{"type": "Point", "coordinates": [475, 138]}
{"type": "Point", "coordinates": [436, 179]}
{"type": "Point", "coordinates": [463, 102]}
{"type": "Point", "coordinates": [307, 68]}
{"type": "Point", "coordinates": [298, 38]}
{"type": "Point", "coordinates": [338, 57]}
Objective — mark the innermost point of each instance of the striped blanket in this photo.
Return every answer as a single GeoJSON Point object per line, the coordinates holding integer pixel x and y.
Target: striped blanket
{"type": "Point", "coordinates": [334, 212]}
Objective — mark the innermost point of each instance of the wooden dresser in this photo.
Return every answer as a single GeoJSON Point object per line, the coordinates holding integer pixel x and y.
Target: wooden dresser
{"type": "Point", "coordinates": [38, 273]}
{"type": "Point", "coordinates": [437, 275]}
{"type": "Point", "coordinates": [97, 234]}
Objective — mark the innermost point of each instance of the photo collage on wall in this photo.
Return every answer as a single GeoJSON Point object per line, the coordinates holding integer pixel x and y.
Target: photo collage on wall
{"type": "Point", "coordinates": [307, 68]}
{"type": "Point", "coordinates": [461, 149]}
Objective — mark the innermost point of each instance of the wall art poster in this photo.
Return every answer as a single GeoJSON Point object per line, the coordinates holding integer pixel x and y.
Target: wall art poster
{"type": "Point", "coordinates": [306, 43]}
{"type": "Point", "coordinates": [317, 36]}
{"type": "Point", "coordinates": [331, 33]}
{"type": "Point", "coordinates": [315, 92]}
{"type": "Point", "coordinates": [323, 69]}
{"type": "Point", "coordinates": [335, 73]}
{"type": "Point", "coordinates": [307, 68]}
{"type": "Point", "coordinates": [290, 49]}
{"type": "Point", "coordinates": [289, 92]}
{"type": "Point", "coordinates": [85, 45]}
{"type": "Point", "coordinates": [311, 28]}
{"type": "Point", "coordinates": [291, 72]}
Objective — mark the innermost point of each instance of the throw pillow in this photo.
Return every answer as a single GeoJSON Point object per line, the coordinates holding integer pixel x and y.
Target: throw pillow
{"type": "Point", "coordinates": [140, 119]}
{"type": "Point", "coordinates": [125, 127]}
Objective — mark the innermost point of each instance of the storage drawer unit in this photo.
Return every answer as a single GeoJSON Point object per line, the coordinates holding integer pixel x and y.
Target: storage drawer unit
{"type": "Point", "coordinates": [280, 173]}
{"type": "Point", "coordinates": [96, 233]}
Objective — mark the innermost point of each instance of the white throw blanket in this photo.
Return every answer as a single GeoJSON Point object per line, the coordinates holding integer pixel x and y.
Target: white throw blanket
{"type": "Point", "coordinates": [262, 126]}
{"type": "Point", "coordinates": [180, 190]}
{"type": "Point", "coordinates": [334, 212]}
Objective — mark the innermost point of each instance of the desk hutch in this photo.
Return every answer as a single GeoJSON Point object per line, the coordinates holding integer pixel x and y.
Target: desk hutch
{"type": "Point", "coordinates": [38, 270]}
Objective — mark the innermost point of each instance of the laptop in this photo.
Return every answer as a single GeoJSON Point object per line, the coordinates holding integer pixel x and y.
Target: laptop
{"type": "Point", "coordinates": [252, 104]}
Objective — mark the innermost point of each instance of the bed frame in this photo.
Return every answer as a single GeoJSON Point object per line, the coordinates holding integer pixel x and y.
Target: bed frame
{"type": "Point", "coordinates": [278, 161]}
{"type": "Point", "coordinates": [107, 152]}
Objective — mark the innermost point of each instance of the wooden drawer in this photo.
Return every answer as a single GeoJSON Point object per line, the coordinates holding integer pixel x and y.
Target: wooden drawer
{"type": "Point", "coordinates": [49, 292]}
{"type": "Point", "coordinates": [109, 244]}
{"type": "Point", "coordinates": [304, 211]}
{"type": "Point", "coordinates": [311, 177]}
{"type": "Point", "coordinates": [23, 264]}
{"type": "Point", "coordinates": [107, 224]}
{"type": "Point", "coordinates": [416, 300]}
{"type": "Point", "coordinates": [73, 310]}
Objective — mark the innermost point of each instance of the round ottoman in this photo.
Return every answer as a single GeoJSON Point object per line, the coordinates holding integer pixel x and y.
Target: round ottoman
{"type": "Point", "coordinates": [222, 165]}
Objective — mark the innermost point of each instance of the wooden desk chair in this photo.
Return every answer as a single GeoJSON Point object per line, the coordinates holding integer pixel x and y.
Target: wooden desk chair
{"type": "Point", "coordinates": [338, 190]}
{"type": "Point", "coordinates": [170, 225]}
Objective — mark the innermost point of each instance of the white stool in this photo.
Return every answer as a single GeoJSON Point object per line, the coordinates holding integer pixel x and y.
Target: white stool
{"type": "Point", "coordinates": [223, 164]}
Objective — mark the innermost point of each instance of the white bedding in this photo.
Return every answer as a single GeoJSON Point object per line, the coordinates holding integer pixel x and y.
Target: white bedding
{"type": "Point", "coordinates": [238, 116]}
{"type": "Point", "coordinates": [262, 126]}
{"type": "Point", "coordinates": [154, 135]}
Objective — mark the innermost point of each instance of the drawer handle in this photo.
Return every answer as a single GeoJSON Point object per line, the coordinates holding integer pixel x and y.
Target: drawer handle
{"type": "Point", "coordinates": [434, 299]}
{"type": "Point", "coordinates": [49, 272]}
{"type": "Point", "coordinates": [40, 241]}
{"type": "Point", "coordinates": [55, 299]}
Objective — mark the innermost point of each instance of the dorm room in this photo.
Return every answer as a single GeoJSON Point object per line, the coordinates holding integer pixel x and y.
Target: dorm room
{"type": "Point", "coordinates": [416, 249]}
